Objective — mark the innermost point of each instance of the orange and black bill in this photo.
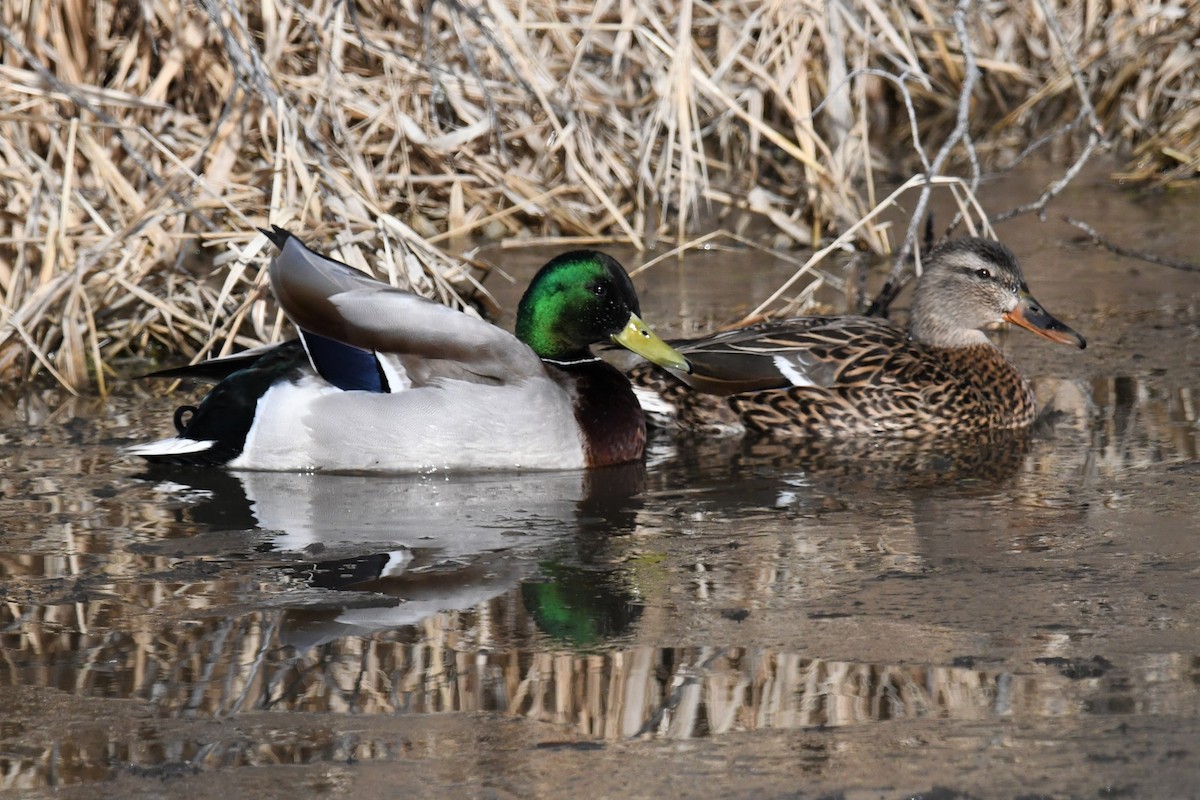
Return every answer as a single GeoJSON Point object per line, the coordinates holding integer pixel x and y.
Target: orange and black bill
{"type": "Point", "coordinates": [1031, 316]}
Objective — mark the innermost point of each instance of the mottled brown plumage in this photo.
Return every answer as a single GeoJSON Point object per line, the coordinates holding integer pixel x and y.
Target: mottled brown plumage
{"type": "Point", "coordinates": [854, 376]}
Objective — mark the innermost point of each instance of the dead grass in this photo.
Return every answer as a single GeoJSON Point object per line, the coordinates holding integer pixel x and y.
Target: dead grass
{"type": "Point", "coordinates": [142, 143]}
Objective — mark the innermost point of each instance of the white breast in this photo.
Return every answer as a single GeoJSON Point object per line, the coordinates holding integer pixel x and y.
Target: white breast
{"type": "Point", "coordinates": [310, 425]}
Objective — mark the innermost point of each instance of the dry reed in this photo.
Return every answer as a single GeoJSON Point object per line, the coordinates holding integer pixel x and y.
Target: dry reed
{"type": "Point", "coordinates": [141, 143]}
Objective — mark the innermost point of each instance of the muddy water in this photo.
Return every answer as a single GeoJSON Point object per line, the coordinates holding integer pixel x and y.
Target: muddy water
{"type": "Point", "coordinates": [728, 619]}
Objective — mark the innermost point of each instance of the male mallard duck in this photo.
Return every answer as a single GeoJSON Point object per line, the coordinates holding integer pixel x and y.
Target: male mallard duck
{"type": "Point", "coordinates": [853, 376]}
{"type": "Point", "coordinates": [382, 379]}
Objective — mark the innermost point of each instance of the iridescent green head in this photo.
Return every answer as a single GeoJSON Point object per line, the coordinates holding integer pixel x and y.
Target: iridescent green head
{"type": "Point", "coordinates": [582, 298]}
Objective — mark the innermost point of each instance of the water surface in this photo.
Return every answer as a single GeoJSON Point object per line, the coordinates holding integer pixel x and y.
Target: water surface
{"type": "Point", "coordinates": [727, 619]}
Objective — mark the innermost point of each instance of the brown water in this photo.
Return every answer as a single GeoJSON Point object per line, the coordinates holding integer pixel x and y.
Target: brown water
{"type": "Point", "coordinates": [728, 620]}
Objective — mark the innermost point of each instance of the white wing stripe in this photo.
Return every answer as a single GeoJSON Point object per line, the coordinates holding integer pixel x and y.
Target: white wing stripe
{"type": "Point", "coordinates": [789, 371]}
{"type": "Point", "coordinates": [652, 402]}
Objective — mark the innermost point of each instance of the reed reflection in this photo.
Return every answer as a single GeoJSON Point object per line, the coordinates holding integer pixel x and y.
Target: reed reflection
{"type": "Point", "coordinates": [558, 597]}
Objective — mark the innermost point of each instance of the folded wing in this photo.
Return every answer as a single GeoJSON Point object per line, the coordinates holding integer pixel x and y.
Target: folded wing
{"type": "Point", "coordinates": [410, 338]}
{"type": "Point", "coordinates": [774, 355]}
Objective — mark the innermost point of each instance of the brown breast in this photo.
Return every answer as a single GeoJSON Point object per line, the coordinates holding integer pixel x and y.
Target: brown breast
{"type": "Point", "coordinates": [612, 423]}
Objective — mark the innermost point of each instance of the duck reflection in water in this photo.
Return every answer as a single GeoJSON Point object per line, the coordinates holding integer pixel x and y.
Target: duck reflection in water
{"type": "Point", "coordinates": [393, 550]}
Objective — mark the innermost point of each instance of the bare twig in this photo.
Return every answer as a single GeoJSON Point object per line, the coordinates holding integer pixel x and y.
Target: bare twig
{"type": "Point", "coordinates": [1055, 188]}
{"type": "Point", "coordinates": [1125, 252]}
{"type": "Point", "coordinates": [1064, 48]}
{"type": "Point", "coordinates": [961, 133]}
{"type": "Point", "coordinates": [1096, 136]}
{"type": "Point", "coordinates": [1041, 141]}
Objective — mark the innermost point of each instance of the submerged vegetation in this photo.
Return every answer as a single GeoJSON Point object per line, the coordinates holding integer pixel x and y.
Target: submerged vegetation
{"type": "Point", "coordinates": [142, 143]}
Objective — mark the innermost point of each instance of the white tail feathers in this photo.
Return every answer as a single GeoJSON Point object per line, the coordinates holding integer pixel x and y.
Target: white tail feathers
{"type": "Point", "coordinates": [169, 447]}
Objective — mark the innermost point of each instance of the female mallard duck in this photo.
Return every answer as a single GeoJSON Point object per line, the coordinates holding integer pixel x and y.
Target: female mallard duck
{"type": "Point", "coordinates": [854, 376]}
{"type": "Point", "coordinates": [382, 379]}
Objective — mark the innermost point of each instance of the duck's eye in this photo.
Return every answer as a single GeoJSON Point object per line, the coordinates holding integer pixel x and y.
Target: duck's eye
{"type": "Point", "coordinates": [983, 273]}
{"type": "Point", "coordinates": [600, 290]}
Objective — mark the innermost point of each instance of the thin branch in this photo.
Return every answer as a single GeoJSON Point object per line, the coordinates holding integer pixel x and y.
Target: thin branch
{"type": "Point", "coordinates": [1055, 188]}
{"type": "Point", "coordinates": [901, 82]}
{"type": "Point", "coordinates": [490, 102]}
{"type": "Point", "coordinates": [1042, 141]}
{"type": "Point", "coordinates": [1096, 136]}
{"type": "Point", "coordinates": [960, 132]}
{"type": "Point", "coordinates": [1085, 99]}
{"type": "Point", "coordinates": [1125, 252]}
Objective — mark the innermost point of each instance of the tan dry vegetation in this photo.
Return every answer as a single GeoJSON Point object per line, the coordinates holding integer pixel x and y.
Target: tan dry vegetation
{"type": "Point", "coordinates": [141, 143]}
